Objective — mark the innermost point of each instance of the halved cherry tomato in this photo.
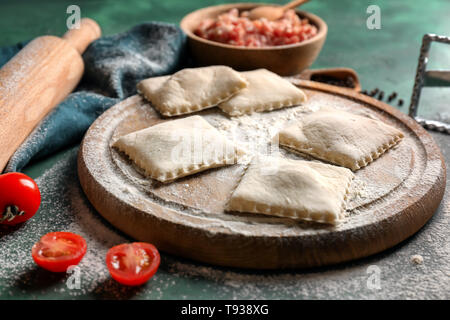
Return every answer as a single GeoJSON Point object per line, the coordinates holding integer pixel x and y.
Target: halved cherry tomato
{"type": "Point", "coordinates": [19, 198]}
{"type": "Point", "coordinates": [56, 251]}
{"type": "Point", "coordinates": [133, 264]}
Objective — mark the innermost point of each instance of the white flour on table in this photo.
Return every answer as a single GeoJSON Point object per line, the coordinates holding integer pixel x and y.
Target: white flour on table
{"type": "Point", "coordinates": [65, 208]}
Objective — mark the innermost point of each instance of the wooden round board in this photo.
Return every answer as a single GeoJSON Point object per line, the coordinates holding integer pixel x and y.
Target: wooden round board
{"type": "Point", "coordinates": [390, 200]}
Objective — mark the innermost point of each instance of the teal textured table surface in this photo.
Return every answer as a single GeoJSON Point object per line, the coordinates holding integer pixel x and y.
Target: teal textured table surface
{"type": "Point", "coordinates": [384, 59]}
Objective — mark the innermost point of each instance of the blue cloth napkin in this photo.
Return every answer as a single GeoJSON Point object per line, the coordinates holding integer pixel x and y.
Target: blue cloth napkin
{"type": "Point", "coordinates": [113, 66]}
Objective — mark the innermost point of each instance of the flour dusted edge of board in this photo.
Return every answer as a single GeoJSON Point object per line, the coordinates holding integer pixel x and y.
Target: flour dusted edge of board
{"type": "Point", "coordinates": [233, 243]}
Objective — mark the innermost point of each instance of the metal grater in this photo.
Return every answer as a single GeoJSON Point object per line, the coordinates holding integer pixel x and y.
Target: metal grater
{"type": "Point", "coordinates": [431, 78]}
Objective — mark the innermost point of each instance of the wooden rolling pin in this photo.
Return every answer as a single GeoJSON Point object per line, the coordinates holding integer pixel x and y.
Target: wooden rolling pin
{"type": "Point", "coordinates": [37, 79]}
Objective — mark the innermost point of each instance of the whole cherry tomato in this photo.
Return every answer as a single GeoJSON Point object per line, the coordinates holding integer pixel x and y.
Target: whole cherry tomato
{"type": "Point", "coordinates": [19, 198]}
{"type": "Point", "coordinates": [133, 264]}
{"type": "Point", "coordinates": [56, 251]}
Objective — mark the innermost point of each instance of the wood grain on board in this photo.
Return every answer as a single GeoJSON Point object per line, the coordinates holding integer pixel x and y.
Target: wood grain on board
{"type": "Point", "coordinates": [392, 198]}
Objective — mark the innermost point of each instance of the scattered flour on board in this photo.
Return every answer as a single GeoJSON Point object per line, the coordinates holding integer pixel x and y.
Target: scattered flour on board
{"type": "Point", "coordinates": [65, 208]}
{"type": "Point", "coordinates": [254, 133]}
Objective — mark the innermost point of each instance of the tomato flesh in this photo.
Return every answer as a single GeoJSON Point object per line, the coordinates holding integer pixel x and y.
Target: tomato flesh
{"type": "Point", "coordinates": [133, 264]}
{"type": "Point", "coordinates": [237, 29]}
{"type": "Point", "coordinates": [56, 251]}
{"type": "Point", "coordinates": [21, 194]}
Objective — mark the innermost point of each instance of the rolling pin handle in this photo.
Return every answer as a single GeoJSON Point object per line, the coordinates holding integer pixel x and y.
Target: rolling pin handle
{"type": "Point", "coordinates": [80, 38]}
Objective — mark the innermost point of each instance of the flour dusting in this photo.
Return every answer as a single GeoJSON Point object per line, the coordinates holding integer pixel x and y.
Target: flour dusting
{"type": "Point", "coordinates": [65, 208]}
{"type": "Point", "coordinates": [399, 168]}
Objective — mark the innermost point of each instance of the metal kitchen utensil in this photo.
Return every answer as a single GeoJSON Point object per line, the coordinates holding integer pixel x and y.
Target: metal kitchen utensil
{"type": "Point", "coordinates": [429, 78]}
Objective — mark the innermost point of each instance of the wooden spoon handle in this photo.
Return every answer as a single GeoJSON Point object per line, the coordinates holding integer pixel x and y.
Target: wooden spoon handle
{"type": "Point", "coordinates": [80, 38]}
{"type": "Point", "coordinates": [293, 4]}
{"type": "Point", "coordinates": [338, 73]}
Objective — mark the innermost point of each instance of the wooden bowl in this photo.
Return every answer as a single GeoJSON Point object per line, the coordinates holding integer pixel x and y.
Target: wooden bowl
{"type": "Point", "coordinates": [285, 60]}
